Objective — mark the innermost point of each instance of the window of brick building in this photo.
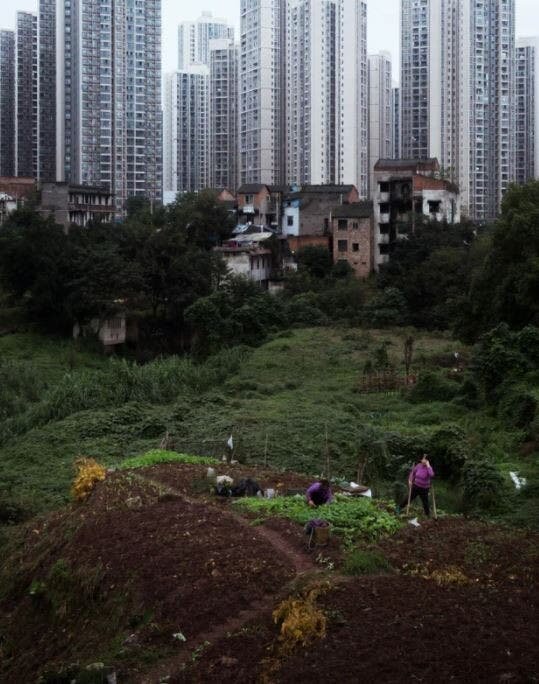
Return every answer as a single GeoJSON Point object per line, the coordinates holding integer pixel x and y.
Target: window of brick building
{"type": "Point", "coordinates": [342, 224]}
{"type": "Point", "coordinates": [355, 247]}
{"type": "Point", "coordinates": [342, 245]}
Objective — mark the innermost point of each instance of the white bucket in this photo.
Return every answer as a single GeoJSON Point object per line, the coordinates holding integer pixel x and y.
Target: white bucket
{"type": "Point", "coordinates": [269, 493]}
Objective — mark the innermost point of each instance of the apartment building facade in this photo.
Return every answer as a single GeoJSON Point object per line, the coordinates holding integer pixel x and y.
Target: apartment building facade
{"type": "Point", "coordinates": [395, 95]}
{"type": "Point", "coordinates": [109, 122]}
{"type": "Point", "coordinates": [326, 92]}
{"type": "Point", "coordinates": [262, 86]}
{"type": "Point", "coordinates": [194, 38]}
{"type": "Point", "coordinates": [26, 96]}
{"type": "Point", "coordinates": [458, 94]}
{"type": "Point", "coordinates": [46, 27]}
{"type": "Point", "coordinates": [223, 113]}
{"type": "Point", "coordinates": [186, 130]}
{"type": "Point", "coordinates": [527, 109]}
{"type": "Point", "coordinates": [7, 103]}
{"type": "Point", "coordinates": [380, 111]}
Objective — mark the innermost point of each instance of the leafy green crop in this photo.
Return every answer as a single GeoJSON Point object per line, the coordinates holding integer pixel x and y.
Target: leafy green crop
{"type": "Point", "coordinates": [349, 516]}
{"type": "Point", "coordinates": [161, 456]}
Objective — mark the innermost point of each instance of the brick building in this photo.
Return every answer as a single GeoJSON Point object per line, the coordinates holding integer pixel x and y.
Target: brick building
{"type": "Point", "coordinates": [352, 229]}
{"type": "Point", "coordinates": [405, 192]}
{"type": "Point", "coordinates": [306, 210]}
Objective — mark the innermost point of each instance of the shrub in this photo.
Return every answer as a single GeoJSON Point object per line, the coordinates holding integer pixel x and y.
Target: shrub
{"type": "Point", "coordinates": [449, 451]}
{"type": "Point", "coordinates": [303, 310]}
{"type": "Point", "coordinates": [517, 408]}
{"type": "Point", "coordinates": [89, 473]}
{"type": "Point", "coordinates": [360, 562]}
{"type": "Point", "coordinates": [386, 309]}
{"type": "Point", "coordinates": [483, 486]}
{"type": "Point", "coordinates": [433, 387]}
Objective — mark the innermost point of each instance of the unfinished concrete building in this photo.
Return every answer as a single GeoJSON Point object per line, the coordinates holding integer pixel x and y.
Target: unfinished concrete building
{"type": "Point", "coordinates": [406, 192]}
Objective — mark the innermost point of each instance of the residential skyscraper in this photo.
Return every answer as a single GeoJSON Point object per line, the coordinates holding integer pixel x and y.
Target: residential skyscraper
{"type": "Point", "coordinates": [380, 111]}
{"type": "Point", "coordinates": [109, 122]}
{"type": "Point", "coordinates": [7, 103]}
{"type": "Point", "coordinates": [223, 114]}
{"type": "Point", "coordinates": [47, 90]}
{"type": "Point", "coordinates": [26, 96]}
{"type": "Point", "coordinates": [262, 88]}
{"type": "Point", "coordinates": [527, 127]}
{"type": "Point", "coordinates": [396, 152]}
{"type": "Point", "coordinates": [186, 130]}
{"type": "Point", "coordinates": [458, 94]}
{"type": "Point", "coordinates": [194, 39]}
{"type": "Point", "coordinates": [326, 92]}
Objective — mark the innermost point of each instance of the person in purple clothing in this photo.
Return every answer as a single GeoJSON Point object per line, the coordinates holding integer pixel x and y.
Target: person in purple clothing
{"type": "Point", "coordinates": [319, 493]}
{"type": "Point", "coordinates": [419, 483]}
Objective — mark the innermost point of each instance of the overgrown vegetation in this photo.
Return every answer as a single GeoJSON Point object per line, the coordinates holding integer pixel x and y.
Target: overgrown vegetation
{"type": "Point", "coordinates": [156, 456]}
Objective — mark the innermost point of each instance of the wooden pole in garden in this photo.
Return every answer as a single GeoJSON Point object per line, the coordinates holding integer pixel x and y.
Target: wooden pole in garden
{"type": "Point", "coordinates": [328, 475]}
{"type": "Point", "coordinates": [266, 451]}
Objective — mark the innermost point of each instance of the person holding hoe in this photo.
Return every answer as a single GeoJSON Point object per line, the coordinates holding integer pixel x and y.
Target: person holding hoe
{"type": "Point", "coordinates": [319, 493]}
{"type": "Point", "coordinates": [419, 482]}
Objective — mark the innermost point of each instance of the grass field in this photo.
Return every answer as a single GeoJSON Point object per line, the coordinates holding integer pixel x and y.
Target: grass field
{"type": "Point", "coordinates": [293, 403]}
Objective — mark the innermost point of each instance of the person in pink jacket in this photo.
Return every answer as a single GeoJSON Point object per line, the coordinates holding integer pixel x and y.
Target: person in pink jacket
{"type": "Point", "coordinates": [419, 483]}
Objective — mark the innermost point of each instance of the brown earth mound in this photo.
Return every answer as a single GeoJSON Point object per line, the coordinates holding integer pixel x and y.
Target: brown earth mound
{"type": "Point", "coordinates": [164, 583]}
{"type": "Point", "coordinates": [460, 607]}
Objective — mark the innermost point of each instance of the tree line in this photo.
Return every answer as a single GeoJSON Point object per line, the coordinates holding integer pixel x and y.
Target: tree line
{"type": "Point", "coordinates": [160, 264]}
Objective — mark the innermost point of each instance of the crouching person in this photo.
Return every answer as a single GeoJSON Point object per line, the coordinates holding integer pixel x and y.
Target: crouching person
{"type": "Point", "coordinates": [319, 493]}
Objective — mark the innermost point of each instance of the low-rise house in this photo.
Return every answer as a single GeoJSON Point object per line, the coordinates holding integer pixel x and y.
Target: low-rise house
{"type": "Point", "coordinates": [246, 255]}
{"type": "Point", "coordinates": [352, 229]}
{"type": "Point", "coordinates": [306, 210]}
{"type": "Point", "coordinates": [260, 205]}
{"type": "Point", "coordinates": [76, 204]}
{"type": "Point", "coordinates": [14, 193]}
{"type": "Point", "coordinates": [405, 191]}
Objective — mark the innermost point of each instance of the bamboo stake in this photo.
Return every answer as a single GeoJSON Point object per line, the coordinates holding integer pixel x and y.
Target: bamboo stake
{"type": "Point", "coordinates": [327, 454]}
{"type": "Point", "coordinates": [409, 498]}
{"type": "Point", "coordinates": [434, 503]}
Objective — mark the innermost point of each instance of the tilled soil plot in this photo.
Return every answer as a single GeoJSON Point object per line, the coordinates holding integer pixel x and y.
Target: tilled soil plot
{"type": "Point", "coordinates": [184, 565]}
{"type": "Point", "coordinates": [190, 479]}
{"type": "Point", "coordinates": [484, 552]}
{"type": "Point", "coordinates": [461, 607]}
{"type": "Point", "coordinates": [397, 629]}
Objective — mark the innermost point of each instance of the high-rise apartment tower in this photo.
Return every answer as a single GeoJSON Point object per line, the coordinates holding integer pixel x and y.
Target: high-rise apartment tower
{"type": "Point", "coordinates": [26, 97]}
{"type": "Point", "coordinates": [380, 111]}
{"type": "Point", "coordinates": [326, 92]}
{"type": "Point", "coordinates": [527, 128]}
{"type": "Point", "coordinates": [7, 103]}
{"type": "Point", "coordinates": [109, 121]}
{"type": "Point", "coordinates": [186, 130]}
{"type": "Point", "coordinates": [194, 39]}
{"type": "Point", "coordinates": [458, 94]}
{"type": "Point", "coordinates": [262, 89]}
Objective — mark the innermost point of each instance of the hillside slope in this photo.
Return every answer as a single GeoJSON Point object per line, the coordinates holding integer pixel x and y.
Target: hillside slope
{"type": "Point", "coordinates": [158, 580]}
{"type": "Point", "coordinates": [289, 403]}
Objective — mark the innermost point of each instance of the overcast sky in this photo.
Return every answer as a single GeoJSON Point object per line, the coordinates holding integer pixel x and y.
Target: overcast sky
{"type": "Point", "coordinates": [383, 27]}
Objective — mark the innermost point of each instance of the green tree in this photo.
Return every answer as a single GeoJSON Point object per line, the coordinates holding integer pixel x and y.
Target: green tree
{"type": "Point", "coordinates": [204, 222]}
{"type": "Point", "coordinates": [505, 287]}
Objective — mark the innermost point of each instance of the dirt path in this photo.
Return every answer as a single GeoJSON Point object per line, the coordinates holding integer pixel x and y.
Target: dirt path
{"type": "Point", "coordinates": [300, 561]}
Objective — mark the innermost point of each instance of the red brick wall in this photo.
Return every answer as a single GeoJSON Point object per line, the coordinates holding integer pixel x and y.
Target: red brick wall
{"type": "Point", "coordinates": [362, 260]}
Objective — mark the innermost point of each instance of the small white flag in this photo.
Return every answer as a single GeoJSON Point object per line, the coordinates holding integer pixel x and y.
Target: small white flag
{"type": "Point", "coordinates": [230, 443]}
